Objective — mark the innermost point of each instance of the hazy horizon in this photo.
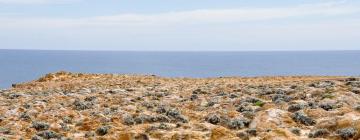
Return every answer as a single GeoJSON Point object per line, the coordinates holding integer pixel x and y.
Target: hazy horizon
{"type": "Point", "coordinates": [179, 50]}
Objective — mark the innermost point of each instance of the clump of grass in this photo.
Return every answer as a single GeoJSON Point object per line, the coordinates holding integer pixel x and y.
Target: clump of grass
{"type": "Point", "coordinates": [101, 131]}
{"type": "Point", "coordinates": [329, 90]}
{"type": "Point", "coordinates": [259, 103]}
{"type": "Point", "coordinates": [40, 126]}
{"type": "Point", "coordinates": [328, 95]}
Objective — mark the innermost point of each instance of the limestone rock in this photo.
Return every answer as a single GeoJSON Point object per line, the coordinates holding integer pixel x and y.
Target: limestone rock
{"type": "Point", "coordinates": [271, 119]}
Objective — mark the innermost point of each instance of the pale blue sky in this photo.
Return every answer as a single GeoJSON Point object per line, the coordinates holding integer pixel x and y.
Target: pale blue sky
{"type": "Point", "coordinates": [180, 25]}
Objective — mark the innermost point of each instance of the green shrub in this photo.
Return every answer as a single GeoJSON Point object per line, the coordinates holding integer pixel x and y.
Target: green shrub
{"type": "Point", "coordinates": [259, 103]}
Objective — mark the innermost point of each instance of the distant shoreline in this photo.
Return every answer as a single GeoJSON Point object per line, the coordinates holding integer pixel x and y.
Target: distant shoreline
{"type": "Point", "coordinates": [48, 77]}
{"type": "Point", "coordinates": [22, 66]}
{"type": "Point", "coordinates": [324, 77]}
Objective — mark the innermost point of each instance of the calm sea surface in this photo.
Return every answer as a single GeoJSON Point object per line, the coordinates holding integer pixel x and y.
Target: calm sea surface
{"type": "Point", "coordinates": [24, 65]}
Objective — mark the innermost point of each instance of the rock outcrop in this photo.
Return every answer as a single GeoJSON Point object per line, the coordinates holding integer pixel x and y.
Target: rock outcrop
{"type": "Point", "coordinates": [139, 107]}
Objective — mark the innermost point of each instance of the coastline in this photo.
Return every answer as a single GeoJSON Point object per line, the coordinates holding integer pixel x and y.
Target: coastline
{"type": "Point", "coordinates": [27, 65]}
{"type": "Point", "coordinates": [110, 106]}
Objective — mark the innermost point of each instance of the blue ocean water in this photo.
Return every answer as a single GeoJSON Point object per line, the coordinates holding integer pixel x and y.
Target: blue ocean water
{"type": "Point", "coordinates": [25, 65]}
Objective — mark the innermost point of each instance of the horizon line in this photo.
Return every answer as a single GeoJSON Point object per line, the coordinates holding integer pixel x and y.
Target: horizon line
{"type": "Point", "coordinates": [92, 50]}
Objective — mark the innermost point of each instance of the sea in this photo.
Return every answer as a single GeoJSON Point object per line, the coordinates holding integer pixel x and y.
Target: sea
{"type": "Point", "coordinates": [17, 66]}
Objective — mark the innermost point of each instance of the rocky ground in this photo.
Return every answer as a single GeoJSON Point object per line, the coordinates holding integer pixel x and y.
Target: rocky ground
{"type": "Point", "coordinates": [125, 107]}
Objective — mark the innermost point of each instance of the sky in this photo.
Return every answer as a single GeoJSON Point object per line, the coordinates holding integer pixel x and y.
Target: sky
{"type": "Point", "coordinates": [180, 25]}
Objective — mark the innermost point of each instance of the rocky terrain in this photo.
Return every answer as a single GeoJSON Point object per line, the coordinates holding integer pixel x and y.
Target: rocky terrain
{"type": "Point", "coordinates": [136, 107]}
